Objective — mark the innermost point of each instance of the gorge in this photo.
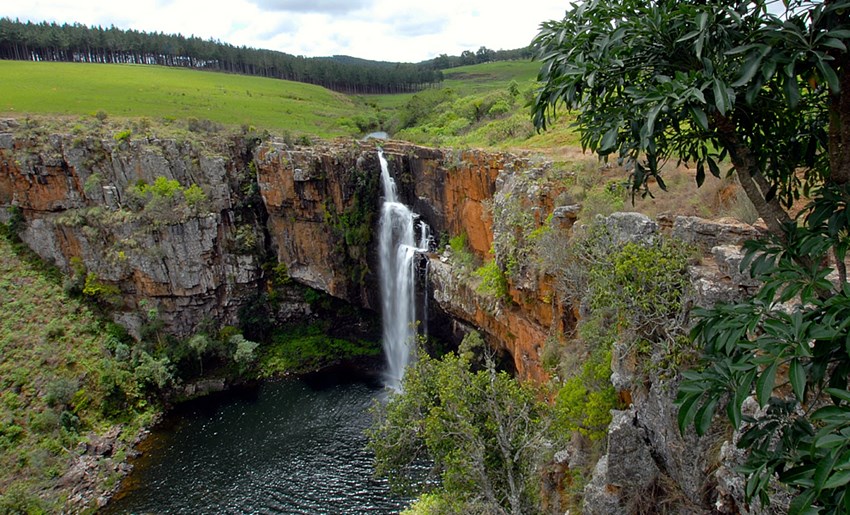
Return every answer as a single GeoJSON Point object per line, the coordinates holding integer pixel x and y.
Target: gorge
{"type": "Point", "coordinates": [286, 227]}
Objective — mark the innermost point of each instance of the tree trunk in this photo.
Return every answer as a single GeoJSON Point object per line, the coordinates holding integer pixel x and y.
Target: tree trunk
{"type": "Point", "coordinates": [750, 177]}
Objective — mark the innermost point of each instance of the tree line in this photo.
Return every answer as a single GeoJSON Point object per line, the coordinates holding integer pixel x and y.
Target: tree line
{"type": "Point", "coordinates": [482, 55]}
{"type": "Point", "coordinates": [79, 43]}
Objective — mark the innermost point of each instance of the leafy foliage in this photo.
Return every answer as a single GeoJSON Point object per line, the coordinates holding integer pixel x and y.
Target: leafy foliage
{"type": "Point", "coordinates": [479, 429]}
{"type": "Point", "coordinates": [584, 402]}
{"type": "Point", "coordinates": [788, 346]}
{"type": "Point", "coordinates": [700, 82]}
{"type": "Point", "coordinates": [464, 257]}
{"type": "Point", "coordinates": [646, 284]}
{"type": "Point", "coordinates": [55, 350]}
{"type": "Point", "coordinates": [166, 200]}
{"type": "Point", "coordinates": [493, 280]}
{"type": "Point", "coordinates": [763, 84]}
{"type": "Point", "coordinates": [308, 347]}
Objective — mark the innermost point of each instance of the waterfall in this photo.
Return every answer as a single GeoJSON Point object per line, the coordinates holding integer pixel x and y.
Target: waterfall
{"type": "Point", "coordinates": [425, 246]}
{"type": "Point", "coordinates": [397, 250]}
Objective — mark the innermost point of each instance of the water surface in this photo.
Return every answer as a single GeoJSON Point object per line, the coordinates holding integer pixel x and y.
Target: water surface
{"type": "Point", "coordinates": [290, 446]}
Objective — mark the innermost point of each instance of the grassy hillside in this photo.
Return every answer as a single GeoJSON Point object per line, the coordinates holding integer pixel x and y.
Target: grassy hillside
{"type": "Point", "coordinates": [53, 364]}
{"type": "Point", "coordinates": [483, 105]}
{"type": "Point", "coordinates": [159, 92]}
{"type": "Point", "coordinates": [458, 113]}
{"type": "Point", "coordinates": [479, 78]}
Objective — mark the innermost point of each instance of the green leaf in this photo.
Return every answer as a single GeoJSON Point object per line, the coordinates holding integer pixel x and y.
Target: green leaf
{"type": "Point", "coordinates": [839, 33]}
{"type": "Point", "coordinates": [608, 140]}
{"type": "Point", "coordinates": [832, 414]}
{"type": "Point", "coordinates": [829, 75]}
{"type": "Point", "coordinates": [802, 503]}
{"type": "Point", "coordinates": [702, 20]}
{"type": "Point", "coordinates": [704, 416]}
{"type": "Point", "coordinates": [839, 393]}
{"type": "Point", "coordinates": [800, 475]}
{"type": "Point", "coordinates": [687, 410]}
{"type": "Point", "coordinates": [792, 91]}
{"type": "Point", "coordinates": [733, 409]}
{"type": "Point", "coordinates": [720, 96]}
{"type": "Point", "coordinates": [751, 66]}
{"type": "Point", "coordinates": [830, 441]}
{"type": "Point", "coordinates": [764, 385]}
{"type": "Point", "coordinates": [837, 479]}
{"type": "Point", "coordinates": [700, 117]}
{"type": "Point", "coordinates": [650, 118]}
{"type": "Point", "coordinates": [823, 470]}
{"type": "Point", "coordinates": [715, 170]}
{"type": "Point", "coordinates": [834, 43]}
{"type": "Point", "coordinates": [798, 378]}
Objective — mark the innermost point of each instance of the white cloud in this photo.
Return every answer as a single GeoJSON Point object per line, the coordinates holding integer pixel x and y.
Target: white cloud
{"type": "Point", "coordinates": [388, 30]}
{"type": "Point", "coordinates": [333, 7]}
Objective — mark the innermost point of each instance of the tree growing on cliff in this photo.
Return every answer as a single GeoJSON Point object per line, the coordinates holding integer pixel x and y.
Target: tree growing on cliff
{"type": "Point", "coordinates": [766, 85]}
{"type": "Point", "coordinates": [480, 430]}
{"type": "Point", "coordinates": [703, 82]}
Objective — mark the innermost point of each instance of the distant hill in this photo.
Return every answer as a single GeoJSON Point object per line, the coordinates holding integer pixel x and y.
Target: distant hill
{"type": "Point", "coordinates": [79, 43]}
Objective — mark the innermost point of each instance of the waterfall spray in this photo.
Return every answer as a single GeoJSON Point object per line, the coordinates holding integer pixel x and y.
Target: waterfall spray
{"type": "Point", "coordinates": [397, 250]}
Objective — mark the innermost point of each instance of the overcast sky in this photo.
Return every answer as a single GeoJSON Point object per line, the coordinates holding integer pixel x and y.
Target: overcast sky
{"type": "Point", "coordinates": [387, 30]}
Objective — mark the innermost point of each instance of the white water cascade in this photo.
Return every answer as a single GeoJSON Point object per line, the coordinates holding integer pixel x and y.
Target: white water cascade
{"type": "Point", "coordinates": [397, 249]}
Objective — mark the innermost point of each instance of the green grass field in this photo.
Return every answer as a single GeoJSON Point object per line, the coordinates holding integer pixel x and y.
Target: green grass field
{"type": "Point", "coordinates": [479, 78]}
{"type": "Point", "coordinates": [158, 92]}
{"type": "Point", "coordinates": [165, 94]}
{"type": "Point", "coordinates": [470, 80]}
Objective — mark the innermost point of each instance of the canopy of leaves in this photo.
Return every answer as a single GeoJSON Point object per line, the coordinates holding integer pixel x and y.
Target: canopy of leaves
{"type": "Point", "coordinates": [480, 430]}
{"type": "Point", "coordinates": [699, 81]}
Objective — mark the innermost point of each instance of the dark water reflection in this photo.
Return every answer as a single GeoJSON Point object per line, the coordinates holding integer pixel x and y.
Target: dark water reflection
{"type": "Point", "coordinates": [291, 446]}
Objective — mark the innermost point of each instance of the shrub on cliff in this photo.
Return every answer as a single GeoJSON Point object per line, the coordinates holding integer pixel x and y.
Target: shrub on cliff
{"type": "Point", "coordinates": [480, 430]}
{"type": "Point", "coordinates": [166, 200]}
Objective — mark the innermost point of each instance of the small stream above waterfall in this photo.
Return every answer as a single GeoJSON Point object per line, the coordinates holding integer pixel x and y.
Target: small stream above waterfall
{"type": "Point", "coordinates": [397, 252]}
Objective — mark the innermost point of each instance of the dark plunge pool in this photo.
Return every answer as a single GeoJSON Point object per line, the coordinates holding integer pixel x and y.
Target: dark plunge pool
{"type": "Point", "coordinates": [289, 446]}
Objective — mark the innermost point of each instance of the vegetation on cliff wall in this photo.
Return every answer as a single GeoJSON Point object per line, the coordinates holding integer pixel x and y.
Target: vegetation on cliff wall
{"type": "Point", "coordinates": [306, 348]}
{"type": "Point", "coordinates": [58, 366]}
{"type": "Point", "coordinates": [765, 85]}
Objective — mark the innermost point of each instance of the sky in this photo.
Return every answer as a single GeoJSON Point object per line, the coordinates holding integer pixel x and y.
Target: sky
{"type": "Point", "coordinates": [383, 30]}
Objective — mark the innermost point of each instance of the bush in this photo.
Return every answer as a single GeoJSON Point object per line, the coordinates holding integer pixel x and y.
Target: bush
{"type": "Point", "coordinates": [307, 348]}
{"type": "Point", "coordinates": [604, 199]}
{"type": "Point", "coordinates": [585, 401]}
{"type": "Point", "coordinates": [122, 136]}
{"type": "Point", "coordinates": [482, 430]}
{"type": "Point", "coordinates": [18, 499]}
{"type": "Point", "coordinates": [646, 284]}
{"type": "Point", "coordinates": [101, 292]}
{"type": "Point", "coordinates": [493, 281]}
{"type": "Point", "coordinates": [461, 253]}
{"type": "Point", "coordinates": [195, 198]}
{"type": "Point", "coordinates": [59, 392]}
{"type": "Point", "coordinates": [243, 355]}
{"type": "Point", "coordinates": [152, 372]}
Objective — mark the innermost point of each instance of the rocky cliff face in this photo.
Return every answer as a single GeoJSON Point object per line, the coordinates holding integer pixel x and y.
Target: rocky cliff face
{"type": "Point", "coordinates": [125, 216]}
{"type": "Point", "coordinates": [91, 206]}
{"type": "Point", "coordinates": [323, 204]}
{"type": "Point", "coordinates": [80, 205]}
